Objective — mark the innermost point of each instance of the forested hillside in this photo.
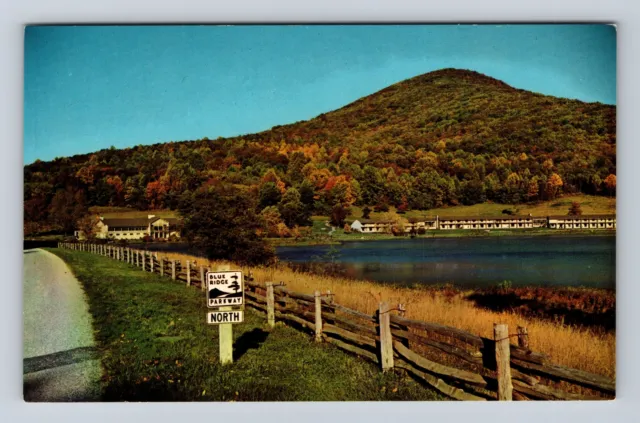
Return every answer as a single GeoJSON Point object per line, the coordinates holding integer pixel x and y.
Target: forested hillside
{"type": "Point", "coordinates": [443, 138]}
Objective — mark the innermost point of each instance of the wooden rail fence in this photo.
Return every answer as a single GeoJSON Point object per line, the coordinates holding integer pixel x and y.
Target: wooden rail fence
{"type": "Point", "coordinates": [460, 365]}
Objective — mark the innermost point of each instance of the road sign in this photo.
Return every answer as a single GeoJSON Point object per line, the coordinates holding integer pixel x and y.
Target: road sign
{"type": "Point", "coordinates": [222, 317]}
{"type": "Point", "coordinates": [225, 289]}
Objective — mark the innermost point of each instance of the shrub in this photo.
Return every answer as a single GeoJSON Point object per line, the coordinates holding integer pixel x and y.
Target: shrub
{"type": "Point", "coordinates": [575, 209]}
{"type": "Point", "coordinates": [504, 285]}
{"type": "Point", "coordinates": [381, 207]}
{"type": "Point", "coordinates": [422, 231]}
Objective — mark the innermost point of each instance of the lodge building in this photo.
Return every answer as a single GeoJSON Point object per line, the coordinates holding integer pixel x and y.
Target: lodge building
{"type": "Point", "coordinates": [135, 228]}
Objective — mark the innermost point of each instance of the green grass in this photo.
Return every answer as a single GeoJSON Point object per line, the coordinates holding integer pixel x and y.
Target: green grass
{"type": "Point", "coordinates": [156, 346]}
{"type": "Point", "coordinates": [590, 204]}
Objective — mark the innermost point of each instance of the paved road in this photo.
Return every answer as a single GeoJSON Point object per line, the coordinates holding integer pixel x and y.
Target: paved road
{"type": "Point", "coordinates": [60, 360]}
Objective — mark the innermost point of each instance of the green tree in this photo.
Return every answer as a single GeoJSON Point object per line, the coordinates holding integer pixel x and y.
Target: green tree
{"type": "Point", "coordinates": [292, 210]}
{"type": "Point", "coordinates": [269, 195]}
{"type": "Point", "coordinates": [371, 185]}
{"type": "Point", "coordinates": [294, 170]}
{"type": "Point", "coordinates": [220, 221]}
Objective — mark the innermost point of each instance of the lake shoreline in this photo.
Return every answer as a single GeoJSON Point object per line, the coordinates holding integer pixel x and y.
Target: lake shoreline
{"type": "Point", "coordinates": [341, 237]}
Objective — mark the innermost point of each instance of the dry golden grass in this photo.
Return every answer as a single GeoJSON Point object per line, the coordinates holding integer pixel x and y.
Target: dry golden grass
{"type": "Point", "coordinates": [583, 349]}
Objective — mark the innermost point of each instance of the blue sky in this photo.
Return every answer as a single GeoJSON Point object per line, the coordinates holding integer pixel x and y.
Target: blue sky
{"type": "Point", "coordinates": [91, 87]}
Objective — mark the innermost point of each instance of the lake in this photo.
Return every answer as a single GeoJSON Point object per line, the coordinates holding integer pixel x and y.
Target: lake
{"type": "Point", "coordinates": [473, 262]}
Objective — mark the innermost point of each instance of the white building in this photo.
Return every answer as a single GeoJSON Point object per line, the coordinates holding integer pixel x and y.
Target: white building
{"type": "Point", "coordinates": [135, 228]}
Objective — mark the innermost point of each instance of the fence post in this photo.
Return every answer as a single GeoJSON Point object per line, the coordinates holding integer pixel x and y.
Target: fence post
{"type": "Point", "coordinates": [151, 262]}
{"type": "Point", "coordinates": [271, 305]}
{"type": "Point", "coordinates": [144, 259]}
{"type": "Point", "coordinates": [188, 273]}
{"type": "Point", "coordinates": [523, 337]}
{"type": "Point", "coordinates": [318, 301]}
{"type": "Point", "coordinates": [503, 367]}
{"type": "Point", "coordinates": [386, 339]}
{"type": "Point", "coordinates": [161, 264]}
{"type": "Point", "coordinates": [173, 270]}
{"type": "Point", "coordinates": [203, 283]}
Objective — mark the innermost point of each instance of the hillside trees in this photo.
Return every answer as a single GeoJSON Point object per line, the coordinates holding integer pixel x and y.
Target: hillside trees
{"type": "Point", "coordinates": [67, 207]}
{"type": "Point", "coordinates": [439, 139]}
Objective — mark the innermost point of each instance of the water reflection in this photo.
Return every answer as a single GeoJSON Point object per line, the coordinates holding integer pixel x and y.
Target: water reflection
{"type": "Point", "coordinates": [567, 261]}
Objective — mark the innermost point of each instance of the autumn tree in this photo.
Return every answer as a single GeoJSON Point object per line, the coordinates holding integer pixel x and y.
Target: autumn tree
{"type": "Point", "coordinates": [610, 183]}
{"type": "Point", "coordinates": [554, 185]}
{"type": "Point", "coordinates": [532, 190]}
{"type": "Point", "coordinates": [575, 209]}
{"type": "Point", "coordinates": [271, 220]}
{"type": "Point", "coordinates": [88, 225]}
{"type": "Point", "coordinates": [338, 214]}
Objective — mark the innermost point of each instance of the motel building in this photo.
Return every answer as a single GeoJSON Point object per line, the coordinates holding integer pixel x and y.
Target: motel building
{"type": "Point", "coordinates": [382, 226]}
{"type": "Point", "coordinates": [582, 222]}
{"type": "Point", "coordinates": [507, 222]}
{"type": "Point", "coordinates": [135, 228]}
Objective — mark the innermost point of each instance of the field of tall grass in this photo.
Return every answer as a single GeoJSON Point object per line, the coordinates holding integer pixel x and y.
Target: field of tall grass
{"type": "Point", "coordinates": [591, 350]}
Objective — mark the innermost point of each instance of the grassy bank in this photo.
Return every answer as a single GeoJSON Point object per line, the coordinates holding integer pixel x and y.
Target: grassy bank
{"type": "Point", "coordinates": [578, 346]}
{"type": "Point", "coordinates": [590, 204]}
{"type": "Point", "coordinates": [156, 347]}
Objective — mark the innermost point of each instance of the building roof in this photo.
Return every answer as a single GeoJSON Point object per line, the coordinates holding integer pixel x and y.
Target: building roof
{"type": "Point", "coordinates": [124, 222]}
{"type": "Point", "coordinates": [171, 220]}
{"type": "Point", "coordinates": [584, 216]}
{"type": "Point", "coordinates": [512, 217]}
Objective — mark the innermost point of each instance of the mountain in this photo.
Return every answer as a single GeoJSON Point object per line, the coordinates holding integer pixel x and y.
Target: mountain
{"type": "Point", "coordinates": [446, 137]}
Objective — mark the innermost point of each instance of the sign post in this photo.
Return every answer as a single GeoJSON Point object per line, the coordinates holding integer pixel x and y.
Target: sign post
{"type": "Point", "coordinates": [225, 294]}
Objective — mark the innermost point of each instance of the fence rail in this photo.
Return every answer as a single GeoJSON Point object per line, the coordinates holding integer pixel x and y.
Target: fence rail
{"type": "Point", "coordinates": [459, 364]}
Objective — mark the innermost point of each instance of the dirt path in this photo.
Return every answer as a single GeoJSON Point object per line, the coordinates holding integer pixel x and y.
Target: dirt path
{"type": "Point", "coordinates": [60, 360]}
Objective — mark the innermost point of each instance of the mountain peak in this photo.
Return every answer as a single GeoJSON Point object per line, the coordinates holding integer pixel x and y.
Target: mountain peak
{"type": "Point", "coordinates": [463, 75]}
